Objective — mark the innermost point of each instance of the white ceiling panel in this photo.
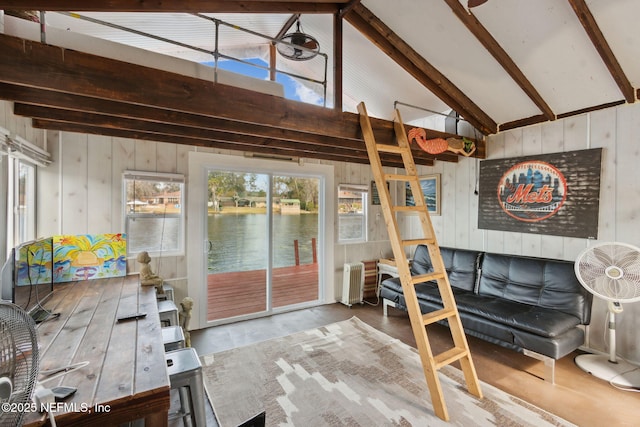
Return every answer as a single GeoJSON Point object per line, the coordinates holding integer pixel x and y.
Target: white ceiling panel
{"type": "Point", "coordinates": [618, 21]}
{"type": "Point", "coordinates": [372, 77]}
{"type": "Point", "coordinates": [437, 35]}
{"type": "Point", "coordinates": [548, 43]}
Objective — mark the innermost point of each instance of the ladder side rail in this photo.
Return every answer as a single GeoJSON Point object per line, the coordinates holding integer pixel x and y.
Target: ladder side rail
{"type": "Point", "coordinates": [444, 286]}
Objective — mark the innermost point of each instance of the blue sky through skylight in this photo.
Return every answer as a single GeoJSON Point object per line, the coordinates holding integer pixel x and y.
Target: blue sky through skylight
{"type": "Point", "coordinates": [292, 88]}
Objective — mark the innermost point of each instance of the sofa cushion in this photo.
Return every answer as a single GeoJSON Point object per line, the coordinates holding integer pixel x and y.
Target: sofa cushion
{"type": "Point", "coordinates": [461, 265]}
{"type": "Point", "coordinates": [550, 284]}
{"type": "Point", "coordinates": [536, 320]}
{"type": "Point", "coordinates": [497, 311]}
{"type": "Point", "coordinates": [555, 347]}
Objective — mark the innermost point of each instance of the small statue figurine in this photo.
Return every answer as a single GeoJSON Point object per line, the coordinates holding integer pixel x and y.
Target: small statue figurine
{"type": "Point", "coordinates": [185, 316]}
{"type": "Point", "coordinates": [147, 276]}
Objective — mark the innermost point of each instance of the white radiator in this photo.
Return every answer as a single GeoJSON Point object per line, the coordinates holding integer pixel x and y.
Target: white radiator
{"type": "Point", "coordinates": [353, 283]}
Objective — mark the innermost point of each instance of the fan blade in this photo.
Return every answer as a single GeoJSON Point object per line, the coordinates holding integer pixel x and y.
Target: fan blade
{"type": "Point", "coordinates": [474, 3]}
{"type": "Point", "coordinates": [603, 257]}
{"type": "Point", "coordinates": [628, 259]}
{"type": "Point", "coordinates": [311, 44]}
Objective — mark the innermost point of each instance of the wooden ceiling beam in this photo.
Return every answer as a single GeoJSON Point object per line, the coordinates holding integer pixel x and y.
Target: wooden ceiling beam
{"type": "Point", "coordinates": [194, 6]}
{"type": "Point", "coordinates": [500, 55]}
{"type": "Point", "coordinates": [23, 97]}
{"type": "Point", "coordinates": [338, 51]}
{"type": "Point", "coordinates": [600, 43]}
{"type": "Point", "coordinates": [404, 55]}
{"type": "Point", "coordinates": [179, 139]}
{"type": "Point", "coordinates": [68, 101]}
{"type": "Point", "coordinates": [591, 109]}
{"type": "Point", "coordinates": [347, 8]}
{"type": "Point", "coordinates": [69, 72]}
{"type": "Point", "coordinates": [24, 63]}
{"type": "Point", "coordinates": [528, 121]}
{"type": "Point", "coordinates": [243, 141]}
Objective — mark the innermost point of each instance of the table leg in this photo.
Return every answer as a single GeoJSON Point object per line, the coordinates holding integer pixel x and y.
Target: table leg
{"type": "Point", "coordinates": [160, 419]}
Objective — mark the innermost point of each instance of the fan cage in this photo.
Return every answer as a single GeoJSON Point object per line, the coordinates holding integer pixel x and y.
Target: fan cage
{"type": "Point", "coordinates": [19, 359]}
{"type": "Point", "coordinates": [293, 46]}
{"type": "Point", "coordinates": [610, 271]}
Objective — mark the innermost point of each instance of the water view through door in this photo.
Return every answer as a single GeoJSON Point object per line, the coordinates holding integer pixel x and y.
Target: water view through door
{"type": "Point", "coordinates": [262, 233]}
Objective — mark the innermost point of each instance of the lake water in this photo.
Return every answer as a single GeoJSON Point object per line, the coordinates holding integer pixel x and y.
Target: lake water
{"type": "Point", "coordinates": [238, 242]}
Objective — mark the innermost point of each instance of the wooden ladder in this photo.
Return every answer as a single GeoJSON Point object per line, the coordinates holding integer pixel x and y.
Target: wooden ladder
{"type": "Point", "coordinates": [460, 350]}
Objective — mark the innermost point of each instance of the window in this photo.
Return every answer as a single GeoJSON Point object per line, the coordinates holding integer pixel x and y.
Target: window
{"type": "Point", "coordinates": [18, 168]}
{"type": "Point", "coordinates": [352, 213]}
{"type": "Point", "coordinates": [21, 201]}
{"type": "Point", "coordinates": [25, 201]}
{"type": "Point", "coordinates": [154, 215]}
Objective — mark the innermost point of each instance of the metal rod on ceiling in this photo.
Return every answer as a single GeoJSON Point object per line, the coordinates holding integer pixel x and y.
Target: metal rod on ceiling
{"type": "Point", "coordinates": [396, 103]}
{"type": "Point", "coordinates": [216, 54]}
{"type": "Point", "coordinates": [140, 33]}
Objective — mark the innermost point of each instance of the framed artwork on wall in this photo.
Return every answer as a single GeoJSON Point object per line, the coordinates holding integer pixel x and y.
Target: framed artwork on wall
{"type": "Point", "coordinates": [375, 196]}
{"type": "Point", "coordinates": [556, 194]}
{"type": "Point", "coordinates": [430, 185]}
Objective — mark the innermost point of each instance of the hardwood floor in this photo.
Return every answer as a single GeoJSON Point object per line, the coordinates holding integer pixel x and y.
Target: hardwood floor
{"type": "Point", "coordinates": [577, 396]}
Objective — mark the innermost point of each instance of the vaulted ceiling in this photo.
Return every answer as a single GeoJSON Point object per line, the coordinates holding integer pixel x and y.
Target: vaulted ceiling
{"type": "Point", "coordinates": [501, 65]}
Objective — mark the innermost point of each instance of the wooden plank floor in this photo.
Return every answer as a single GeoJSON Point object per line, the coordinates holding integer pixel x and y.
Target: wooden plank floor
{"type": "Point", "coordinates": [237, 293]}
{"type": "Point", "coordinates": [577, 396]}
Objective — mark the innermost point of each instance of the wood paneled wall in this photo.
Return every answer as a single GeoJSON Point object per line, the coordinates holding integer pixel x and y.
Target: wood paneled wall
{"type": "Point", "coordinates": [82, 193]}
{"type": "Point", "coordinates": [617, 131]}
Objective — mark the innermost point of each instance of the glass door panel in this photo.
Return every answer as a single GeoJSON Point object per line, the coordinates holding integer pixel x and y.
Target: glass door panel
{"type": "Point", "coordinates": [295, 239]}
{"type": "Point", "coordinates": [238, 244]}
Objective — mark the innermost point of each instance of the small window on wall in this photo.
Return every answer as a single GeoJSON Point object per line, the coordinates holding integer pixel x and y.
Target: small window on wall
{"type": "Point", "coordinates": [154, 213]}
{"type": "Point", "coordinates": [23, 178]}
{"type": "Point", "coordinates": [352, 213]}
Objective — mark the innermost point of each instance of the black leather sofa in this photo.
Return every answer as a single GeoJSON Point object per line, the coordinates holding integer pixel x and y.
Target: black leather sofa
{"type": "Point", "coordinates": [531, 305]}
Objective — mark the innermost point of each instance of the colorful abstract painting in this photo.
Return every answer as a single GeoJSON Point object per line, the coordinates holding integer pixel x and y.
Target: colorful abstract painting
{"type": "Point", "coordinates": [33, 262]}
{"type": "Point", "coordinates": [89, 256]}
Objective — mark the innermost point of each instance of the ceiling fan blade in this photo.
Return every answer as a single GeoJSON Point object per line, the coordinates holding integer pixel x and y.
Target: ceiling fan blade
{"type": "Point", "coordinates": [311, 44]}
{"type": "Point", "coordinates": [474, 3]}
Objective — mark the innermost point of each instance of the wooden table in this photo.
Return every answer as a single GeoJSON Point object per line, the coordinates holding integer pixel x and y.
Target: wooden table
{"type": "Point", "coordinates": [126, 378]}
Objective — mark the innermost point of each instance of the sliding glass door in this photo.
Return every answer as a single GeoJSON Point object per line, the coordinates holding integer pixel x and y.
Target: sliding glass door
{"type": "Point", "coordinates": [262, 237]}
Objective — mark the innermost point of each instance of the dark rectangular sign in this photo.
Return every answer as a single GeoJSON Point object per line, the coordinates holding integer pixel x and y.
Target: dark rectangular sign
{"type": "Point", "coordinates": [555, 194]}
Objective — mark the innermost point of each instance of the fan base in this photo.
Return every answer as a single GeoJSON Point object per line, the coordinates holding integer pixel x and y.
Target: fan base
{"type": "Point", "coordinates": [621, 374]}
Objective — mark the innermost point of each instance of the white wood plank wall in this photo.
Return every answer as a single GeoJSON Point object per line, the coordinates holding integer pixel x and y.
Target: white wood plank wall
{"type": "Point", "coordinates": [81, 192]}
{"type": "Point", "coordinates": [617, 131]}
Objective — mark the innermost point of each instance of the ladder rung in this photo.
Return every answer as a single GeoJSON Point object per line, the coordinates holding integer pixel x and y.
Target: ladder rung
{"type": "Point", "coordinates": [421, 278]}
{"type": "Point", "coordinates": [386, 148]}
{"type": "Point", "coordinates": [450, 356]}
{"type": "Point", "coordinates": [408, 208]}
{"type": "Point", "coordinates": [438, 315]}
{"type": "Point", "coordinates": [399, 177]}
{"type": "Point", "coordinates": [412, 242]}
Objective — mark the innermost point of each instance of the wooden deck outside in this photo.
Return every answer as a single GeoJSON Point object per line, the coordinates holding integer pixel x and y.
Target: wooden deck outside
{"type": "Point", "coordinates": [237, 293]}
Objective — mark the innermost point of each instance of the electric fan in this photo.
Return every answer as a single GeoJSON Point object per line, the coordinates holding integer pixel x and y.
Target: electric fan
{"type": "Point", "coordinates": [298, 46]}
{"type": "Point", "coordinates": [19, 363]}
{"type": "Point", "coordinates": [611, 271]}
